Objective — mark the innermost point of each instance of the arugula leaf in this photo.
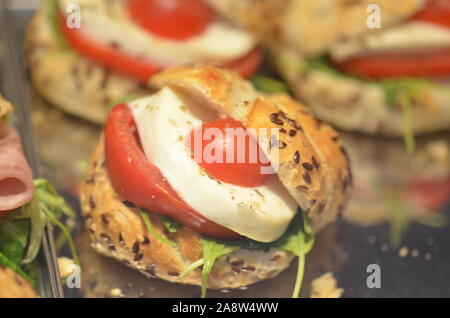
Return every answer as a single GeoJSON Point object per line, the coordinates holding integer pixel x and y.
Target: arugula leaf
{"type": "Point", "coordinates": [171, 225]}
{"type": "Point", "coordinates": [6, 262]}
{"type": "Point", "coordinates": [38, 222]}
{"type": "Point", "coordinates": [298, 239]}
{"type": "Point", "coordinates": [268, 85]}
{"type": "Point", "coordinates": [211, 251]}
{"type": "Point", "coordinates": [23, 232]}
{"type": "Point", "coordinates": [401, 216]}
{"type": "Point", "coordinates": [121, 100]}
{"type": "Point", "coordinates": [53, 8]}
{"type": "Point", "coordinates": [152, 230]}
{"type": "Point", "coordinates": [13, 239]}
{"type": "Point", "coordinates": [408, 131]}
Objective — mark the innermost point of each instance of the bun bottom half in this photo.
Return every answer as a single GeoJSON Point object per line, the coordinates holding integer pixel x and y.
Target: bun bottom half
{"type": "Point", "coordinates": [116, 230]}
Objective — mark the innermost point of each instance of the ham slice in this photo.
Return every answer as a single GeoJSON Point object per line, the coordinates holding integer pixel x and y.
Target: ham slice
{"type": "Point", "coordinates": [16, 178]}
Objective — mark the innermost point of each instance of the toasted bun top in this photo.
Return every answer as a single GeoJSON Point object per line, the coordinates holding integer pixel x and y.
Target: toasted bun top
{"type": "Point", "coordinates": [313, 165]}
{"type": "Point", "coordinates": [312, 27]}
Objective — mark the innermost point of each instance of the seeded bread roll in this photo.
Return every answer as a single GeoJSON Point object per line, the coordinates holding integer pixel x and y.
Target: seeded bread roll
{"type": "Point", "coordinates": [14, 286]}
{"type": "Point", "coordinates": [311, 27]}
{"type": "Point", "coordinates": [116, 230]}
{"type": "Point", "coordinates": [75, 84]}
{"type": "Point", "coordinates": [313, 164]}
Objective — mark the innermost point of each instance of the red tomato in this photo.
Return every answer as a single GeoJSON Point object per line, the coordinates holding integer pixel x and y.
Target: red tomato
{"type": "Point", "coordinates": [137, 180]}
{"type": "Point", "coordinates": [108, 55]}
{"type": "Point", "coordinates": [436, 11]}
{"type": "Point", "coordinates": [383, 65]}
{"type": "Point", "coordinates": [421, 64]}
{"type": "Point", "coordinates": [247, 65]}
{"type": "Point", "coordinates": [141, 70]}
{"type": "Point", "coordinates": [175, 19]}
{"type": "Point", "coordinates": [432, 196]}
{"type": "Point", "coordinates": [219, 139]}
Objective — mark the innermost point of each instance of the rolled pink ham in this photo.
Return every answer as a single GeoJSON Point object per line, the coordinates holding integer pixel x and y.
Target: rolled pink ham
{"type": "Point", "coordinates": [16, 179]}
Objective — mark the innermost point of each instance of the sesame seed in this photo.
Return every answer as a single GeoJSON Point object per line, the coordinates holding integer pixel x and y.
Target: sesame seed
{"type": "Point", "coordinates": [302, 188]}
{"type": "Point", "coordinates": [297, 157]}
{"type": "Point", "coordinates": [121, 240]}
{"type": "Point", "coordinates": [237, 262]}
{"type": "Point", "coordinates": [173, 273]}
{"type": "Point", "coordinates": [275, 258]}
{"type": "Point", "coordinates": [282, 145]}
{"type": "Point", "coordinates": [293, 123]}
{"type": "Point", "coordinates": [129, 204]}
{"type": "Point", "coordinates": [274, 118]}
{"type": "Point", "coordinates": [105, 219]}
{"type": "Point", "coordinates": [315, 163]}
{"type": "Point", "coordinates": [138, 257]}
{"type": "Point", "coordinates": [136, 247]}
{"type": "Point", "coordinates": [307, 178]}
{"type": "Point", "coordinates": [146, 240]}
{"type": "Point", "coordinates": [92, 204]}
{"type": "Point", "coordinates": [292, 132]}
{"type": "Point", "coordinates": [307, 166]}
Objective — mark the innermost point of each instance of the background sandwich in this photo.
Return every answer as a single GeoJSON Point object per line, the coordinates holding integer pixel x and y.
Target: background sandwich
{"type": "Point", "coordinates": [85, 55]}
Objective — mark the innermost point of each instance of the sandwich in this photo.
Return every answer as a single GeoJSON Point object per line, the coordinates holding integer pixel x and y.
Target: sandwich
{"type": "Point", "coordinates": [85, 55]}
{"type": "Point", "coordinates": [175, 191]}
{"type": "Point", "coordinates": [392, 185]}
{"type": "Point", "coordinates": [379, 68]}
{"type": "Point", "coordinates": [26, 205]}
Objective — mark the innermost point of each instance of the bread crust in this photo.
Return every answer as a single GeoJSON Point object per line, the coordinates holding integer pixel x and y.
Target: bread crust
{"type": "Point", "coordinates": [294, 23]}
{"type": "Point", "coordinates": [14, 286]}
{"type": "Point", "coordinates": [355, 105]}
{"type": "Point", "coordinates": [116, 230]}
{"type": "Point", "coordinates": [313, 165]}
{"type": "Point", "coordinates": [69, 81]}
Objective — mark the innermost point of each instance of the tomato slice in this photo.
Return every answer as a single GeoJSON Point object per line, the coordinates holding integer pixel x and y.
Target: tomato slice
{"type": "Point", "coordinates": [430, 195]}
{"type": "Point", "coordinates": [174, 19]}
{"type": "Point", "coordinates": [108, 55]}
{"type": "Point", "coordinates": [137, 180]}
{"type": "Point", "coordinates": [141, 70]}
{"type": "Point", "coordinates": [247, 65]}
{"type": "Point", "coordinates": [434, 63]}
{"type": "Point", "coordinates": [385, 65]}
{"type": "Point", "coordinates": [220, 139]}
{"type": "Point", "coordinates": [435, 11]}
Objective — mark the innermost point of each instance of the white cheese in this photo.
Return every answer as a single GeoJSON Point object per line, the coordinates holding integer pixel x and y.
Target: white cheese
{"type": "Point", "coordinates": [407, 37]}
{"type": "Point", "coordinates": [164, 120]}
{"type": "Point", "coordinates": [106, 23]}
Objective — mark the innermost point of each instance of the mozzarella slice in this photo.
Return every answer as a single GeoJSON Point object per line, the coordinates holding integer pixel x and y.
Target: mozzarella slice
{"type": "Point", "coordinates": [164, 120]}
{"type": "Point", "coordinates": [107, 23]}
{"type": "Point", "coordinates": [409, 36]}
